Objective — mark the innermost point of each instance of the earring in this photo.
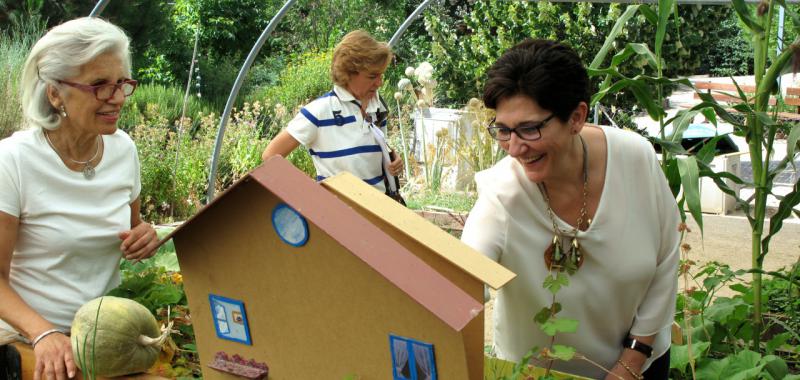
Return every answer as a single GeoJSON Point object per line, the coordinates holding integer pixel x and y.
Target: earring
{"type": "Point", "coordinates": [63, 111]}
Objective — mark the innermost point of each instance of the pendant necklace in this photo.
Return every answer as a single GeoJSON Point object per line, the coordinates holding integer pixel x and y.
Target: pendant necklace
{"type": "Point", "coordinates": [88, 169]}
{"type": "Point", "coordinates": [571, 258]}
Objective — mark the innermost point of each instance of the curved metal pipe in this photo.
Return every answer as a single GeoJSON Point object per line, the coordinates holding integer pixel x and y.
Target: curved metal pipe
{"type": "Point", "coordinates": [237, 85]}
{"type": "Point", "coordinates": [410, 19]}
{"type": "Point", "coordinates": [98, 8]}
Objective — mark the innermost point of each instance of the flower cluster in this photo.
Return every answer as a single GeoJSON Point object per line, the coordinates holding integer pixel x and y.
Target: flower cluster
{"type": "Point", "coordinates": [423, 95]}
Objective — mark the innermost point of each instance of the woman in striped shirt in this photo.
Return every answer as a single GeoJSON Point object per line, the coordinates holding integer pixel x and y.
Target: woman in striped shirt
{"type": "Point", "coordinates": [343, 130]}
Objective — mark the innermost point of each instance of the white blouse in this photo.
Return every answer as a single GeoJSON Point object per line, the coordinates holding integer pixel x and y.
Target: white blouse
{"type": "Point", "coordinates": [628, 281]}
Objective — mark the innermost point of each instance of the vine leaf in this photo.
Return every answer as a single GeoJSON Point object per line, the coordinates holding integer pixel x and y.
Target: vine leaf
{"type": "Point", "coordinates": [554, 284]}
{"type": "Point", "coordinates": [554, 326]}
{"type": "Point", "coordinates": [543, 315]}
{"type": "Point", "coordinates": [561, 352]}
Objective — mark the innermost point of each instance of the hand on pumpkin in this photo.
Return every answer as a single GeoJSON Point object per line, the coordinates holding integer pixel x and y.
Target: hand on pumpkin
{"type": "Point", "coordinates": [138, 243]}
{"type": "Point", "coordinates": [54, 359]}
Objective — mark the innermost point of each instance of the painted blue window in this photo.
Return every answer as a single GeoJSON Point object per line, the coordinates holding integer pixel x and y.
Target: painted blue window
{"type": "Point", "coordinates": [411, 359]}
{"type": "Point", "coordinates": [230, 319]}
{"type": "Point", "coordinates": [291, 227]}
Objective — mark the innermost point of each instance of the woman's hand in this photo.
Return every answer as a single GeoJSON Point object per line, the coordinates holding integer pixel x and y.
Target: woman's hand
{"type": "Point", "coordinates": [54, 359]}
{"type": "Point", "coordinates": [139, 243]}
{"type": "Point", "coordinates": [396, 166]}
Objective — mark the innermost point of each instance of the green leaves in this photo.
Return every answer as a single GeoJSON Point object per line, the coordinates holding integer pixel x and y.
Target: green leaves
{"type": "Point", "coordinates": [630, 11]}
{"type": "Point", "coordinates": [544, 314]}
{"type": "Point", "coordinates": [746, 15]}
{"type": "Point", "coordinates": [555, 281]}
{"type": "Point", "coordinates": [679, 355]}
{"type": "Point", "coordinates": [561, 352]}
{"type": "Point", "coordinates": [554, 326]}
{"type": "Point", "coordinates": [690, 179]}
{"type": "Point", "coordinates": [744, 365]}
{"type": "Point", "coordinates": [665, 8]}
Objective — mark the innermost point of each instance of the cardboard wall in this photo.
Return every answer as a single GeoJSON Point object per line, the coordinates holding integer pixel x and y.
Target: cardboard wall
{"type": "Point", "coordinates": [315, 312]}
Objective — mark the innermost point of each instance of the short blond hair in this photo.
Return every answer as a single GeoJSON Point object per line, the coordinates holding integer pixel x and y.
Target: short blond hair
{"type": "Point", "coordinates": [358, 51]}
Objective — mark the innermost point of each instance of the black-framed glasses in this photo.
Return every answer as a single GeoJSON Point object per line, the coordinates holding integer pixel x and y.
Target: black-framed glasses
{"type": "Point", "coordinates": [529, 131]}
{"type": "Point", "coordinates": [106, 91]}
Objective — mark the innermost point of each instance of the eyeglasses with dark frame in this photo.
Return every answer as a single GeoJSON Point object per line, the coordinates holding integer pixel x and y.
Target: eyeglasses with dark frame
{"type": "Point", "coordinates": [529, 131]}
{"type": "Point", "coordinates": [106, 91]}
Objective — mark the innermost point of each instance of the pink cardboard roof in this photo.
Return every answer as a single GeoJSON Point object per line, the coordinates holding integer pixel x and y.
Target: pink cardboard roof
{"type": "Point", "coordinates": [377, 249]}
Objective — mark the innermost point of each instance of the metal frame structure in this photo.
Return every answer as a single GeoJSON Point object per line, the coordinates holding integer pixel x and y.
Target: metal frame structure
{"type": "Point", "coordinates": [237, 85]}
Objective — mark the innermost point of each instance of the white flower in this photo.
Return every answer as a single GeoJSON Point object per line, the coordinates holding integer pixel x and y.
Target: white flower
{"type": "Point", "coordinates": [473, 103]}
{"type": "Point", "coordinates": [398, 96]}
{"type": "Point", "coordinates": [409, 71]}
{"type": "Point", "coordinates": [424, 72]}
{"type": "Point", "coordinates": [405, 84]}
{"type": "Point", "coordinates": [422, 103]}
{"type": "Point", "coordinates": [280, 110]}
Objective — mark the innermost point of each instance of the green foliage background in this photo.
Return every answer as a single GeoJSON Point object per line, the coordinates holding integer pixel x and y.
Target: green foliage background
{"type": "Point", "coordinates": [486, 28]}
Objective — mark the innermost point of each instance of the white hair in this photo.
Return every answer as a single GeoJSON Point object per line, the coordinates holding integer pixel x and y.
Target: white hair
{"type": "Point", "coordinates": [59, 55]}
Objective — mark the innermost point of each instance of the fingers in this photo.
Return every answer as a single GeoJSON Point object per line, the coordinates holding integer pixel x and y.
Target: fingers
{"type": "Point", "coordinates": [54, 358]}
{"type": "Point", "coordinates": [69, 362]}
{"type": "Point", "coordinates": [396, 167]}
{"type": "Point", "coordinates": [140, 243]}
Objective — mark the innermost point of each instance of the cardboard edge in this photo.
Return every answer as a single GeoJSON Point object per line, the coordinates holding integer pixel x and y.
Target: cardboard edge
{"type": "Point", "coordinates": [483, 269]}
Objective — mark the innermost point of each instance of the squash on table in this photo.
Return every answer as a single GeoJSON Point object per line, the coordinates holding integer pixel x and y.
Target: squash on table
{"type": "Point", "coordinates": [126, 340]}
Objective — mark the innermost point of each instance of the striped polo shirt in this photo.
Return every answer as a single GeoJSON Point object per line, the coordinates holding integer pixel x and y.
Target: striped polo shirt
{"type": "Point", "coordinates": [338, 138]}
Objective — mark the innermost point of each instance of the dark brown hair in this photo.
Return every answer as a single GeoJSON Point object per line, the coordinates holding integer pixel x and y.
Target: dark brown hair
{"type": "Point", "coordinates": [548, 72]}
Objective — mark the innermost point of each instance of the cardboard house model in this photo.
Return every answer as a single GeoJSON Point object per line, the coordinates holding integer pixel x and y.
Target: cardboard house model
{"type": "Point", "coordinates": [331, 280]}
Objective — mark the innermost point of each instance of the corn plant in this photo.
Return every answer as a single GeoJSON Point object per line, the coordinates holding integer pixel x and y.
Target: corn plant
{"type": "Point", "coordinates": [682, 171]}
{"type": "Point", "coordinates": [759, 127]}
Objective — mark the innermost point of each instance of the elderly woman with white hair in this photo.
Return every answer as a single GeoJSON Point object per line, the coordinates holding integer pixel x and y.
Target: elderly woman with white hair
{"type": "Point", "coordinates": [69, 189]}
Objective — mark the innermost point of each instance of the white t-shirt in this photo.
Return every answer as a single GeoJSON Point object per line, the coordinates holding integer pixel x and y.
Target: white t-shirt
{"type": "Point", "coordinates": [335, 148]}
{"type": "Point", "coordinates": [628, 281]}
{"type": "Point", "coordinates": [67, 250]}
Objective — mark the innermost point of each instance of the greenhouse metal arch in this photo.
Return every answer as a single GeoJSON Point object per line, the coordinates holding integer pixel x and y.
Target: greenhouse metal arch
{"type": "Point", "coordinates": [237, 85]}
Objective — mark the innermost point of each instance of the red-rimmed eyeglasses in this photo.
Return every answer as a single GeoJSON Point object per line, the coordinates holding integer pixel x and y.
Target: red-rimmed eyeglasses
{"type": "Point", "coordinates": [106, 91]}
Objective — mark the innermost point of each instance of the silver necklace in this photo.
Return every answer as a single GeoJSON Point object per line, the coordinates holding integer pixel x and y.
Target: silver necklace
{"type": "Point", "coordinates": [88, 169]}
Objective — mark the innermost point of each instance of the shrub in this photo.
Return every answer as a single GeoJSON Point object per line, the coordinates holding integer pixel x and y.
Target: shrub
{"type": "Point", "coordinates": [732, 55]}
{"type": "Point", "coordinates": [175, 164]}
{"type": "Point", "coordinates": [305, 78]}
{"type": "Point", "coordinates": [151, 101]}
{"type": "Point", "coordinates": [15, 43]}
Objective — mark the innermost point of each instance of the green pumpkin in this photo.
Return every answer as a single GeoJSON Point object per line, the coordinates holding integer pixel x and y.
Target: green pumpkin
{"type": "Point", "coordinates": [127, 339]}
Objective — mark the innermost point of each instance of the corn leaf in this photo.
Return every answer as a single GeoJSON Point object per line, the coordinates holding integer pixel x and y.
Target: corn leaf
{"type": "Point", "coordinates": [612, 36]}
{"type": "Point", "coordinates": [665, 8]}
{"type": "Point", "coordinates": [746, 15]}
{"type": "Point", "coordinates": [690, 180]}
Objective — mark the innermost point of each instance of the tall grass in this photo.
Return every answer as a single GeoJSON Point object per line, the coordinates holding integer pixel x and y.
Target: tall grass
{"type": "Point", "coordinates": [15, 42]}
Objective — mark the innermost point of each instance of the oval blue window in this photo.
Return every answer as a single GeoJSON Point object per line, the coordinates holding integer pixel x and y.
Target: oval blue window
{"type": "Point", "coordinates": [291, 227]}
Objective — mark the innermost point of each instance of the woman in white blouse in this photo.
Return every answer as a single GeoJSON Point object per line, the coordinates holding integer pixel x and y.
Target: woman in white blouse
{"type": "Point", "coordinates": [586, 200]}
